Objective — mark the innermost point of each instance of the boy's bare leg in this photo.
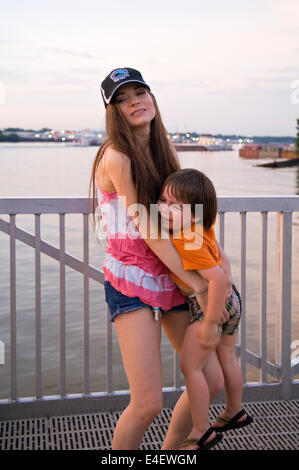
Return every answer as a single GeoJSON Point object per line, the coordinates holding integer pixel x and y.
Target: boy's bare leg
{"type": "Point", "coordinates": [192, 362]}
{"type": "Point", "coordinates": [181, 420]}
{"type": "Point", "coordinates": [232, 377]}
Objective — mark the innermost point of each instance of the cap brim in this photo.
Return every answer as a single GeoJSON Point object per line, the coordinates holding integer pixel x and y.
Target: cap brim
{"type": "Point", "coordinates": [108, 101]}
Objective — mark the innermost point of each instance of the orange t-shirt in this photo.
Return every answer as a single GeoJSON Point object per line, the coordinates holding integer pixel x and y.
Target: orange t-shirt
{"type": "Point", "coordinates": [199, 252]}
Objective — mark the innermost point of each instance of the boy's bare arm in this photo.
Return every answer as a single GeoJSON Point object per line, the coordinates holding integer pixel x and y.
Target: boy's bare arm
{"type": "Point", "coordinates": [209, 330]}
{"type": "Point", "coordinates": [226, 268]}
{"type": "Point", "coordinates": [216, 293]}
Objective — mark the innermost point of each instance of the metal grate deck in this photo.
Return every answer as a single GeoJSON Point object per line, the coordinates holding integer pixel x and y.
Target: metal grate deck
{"type": "Point", "coordinates": [276, 427]}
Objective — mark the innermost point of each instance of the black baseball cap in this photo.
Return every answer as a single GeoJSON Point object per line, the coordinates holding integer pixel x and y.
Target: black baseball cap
{"type": "Point", "coordinates": [117, 78]}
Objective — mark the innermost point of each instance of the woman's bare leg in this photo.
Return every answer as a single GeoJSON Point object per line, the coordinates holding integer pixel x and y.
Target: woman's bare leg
{"type": "Point", "coordinates": [175, 325]}
{"type": "Point", "coordinates": [139, 337]}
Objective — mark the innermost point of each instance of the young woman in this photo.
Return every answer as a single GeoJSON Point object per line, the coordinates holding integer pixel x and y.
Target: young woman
{"type": "Point", "coordinates": [129, 169]}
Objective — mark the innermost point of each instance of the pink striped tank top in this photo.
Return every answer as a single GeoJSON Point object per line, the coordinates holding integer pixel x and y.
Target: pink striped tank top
{"type": "Point", "coordinates": [130, 265]}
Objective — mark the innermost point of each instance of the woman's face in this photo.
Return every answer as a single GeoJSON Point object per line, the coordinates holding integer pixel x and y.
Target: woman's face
{"type": "Point", "coordinates": [136, 104]}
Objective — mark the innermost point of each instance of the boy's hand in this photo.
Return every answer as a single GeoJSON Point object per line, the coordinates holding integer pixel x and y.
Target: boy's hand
{"type": "Point", "coordinates": [203, 302]}
{"type": "Point", "coordinates": [229, 292]}
{"type": "Point", "coordinates": [208, 335]}
{"type": "Point", "coordinates": [224, 316]}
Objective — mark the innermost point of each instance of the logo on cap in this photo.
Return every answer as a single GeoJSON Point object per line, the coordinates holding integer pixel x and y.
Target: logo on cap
{"type": "Point", "coordinates": [119, 74]}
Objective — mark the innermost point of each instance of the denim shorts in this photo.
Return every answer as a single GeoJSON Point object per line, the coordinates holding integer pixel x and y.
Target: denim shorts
{"type": "Point", "coordinates": [233, 306]}
{"type": "Point", "coordinates": [119, 303]}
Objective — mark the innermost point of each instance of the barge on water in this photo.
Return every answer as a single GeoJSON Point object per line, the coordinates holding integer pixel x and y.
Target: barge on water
{"type": "Point", "coordinates": [281, 163]}
{"type": "Point", "coordinates": [259, 151]}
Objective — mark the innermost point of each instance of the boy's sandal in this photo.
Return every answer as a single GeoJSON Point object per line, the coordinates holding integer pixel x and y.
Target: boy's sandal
{"type": "Point", "coordinates": [201, 442]}
{"type": "Point", "coordinates": [233, 423]}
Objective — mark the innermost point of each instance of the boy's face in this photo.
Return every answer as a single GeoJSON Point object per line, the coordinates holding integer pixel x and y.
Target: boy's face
{"type": "Point", "coordinates": [171, 211]}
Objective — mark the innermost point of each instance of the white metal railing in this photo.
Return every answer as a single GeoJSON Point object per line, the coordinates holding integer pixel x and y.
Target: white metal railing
{"type": "Point", "coordinates": [283, 370]}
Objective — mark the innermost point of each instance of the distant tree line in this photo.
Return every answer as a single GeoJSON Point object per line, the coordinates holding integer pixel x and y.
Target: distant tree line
{"type": "Point", "coordinates": [19, 129]}
{"type": "Point", "coordinates": [9, 138]}
{"type": "Point", "coordinates": [297, 139]}
{"type": "Point", "coordinates": [13, 137]}
{"type": "Point", "coordinates": [273, 139]}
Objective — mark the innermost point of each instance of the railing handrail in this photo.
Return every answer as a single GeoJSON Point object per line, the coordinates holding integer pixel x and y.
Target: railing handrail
{"type": "Point", "coordinates": [83, 205]}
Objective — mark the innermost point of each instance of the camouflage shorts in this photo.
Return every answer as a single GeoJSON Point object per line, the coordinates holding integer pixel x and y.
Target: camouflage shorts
{"type": "Point", "coordinates": [233, 306]}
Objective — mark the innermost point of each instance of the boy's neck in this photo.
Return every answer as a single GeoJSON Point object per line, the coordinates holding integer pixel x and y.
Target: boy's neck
{"type": "Point", "coordinates": [183, 231]}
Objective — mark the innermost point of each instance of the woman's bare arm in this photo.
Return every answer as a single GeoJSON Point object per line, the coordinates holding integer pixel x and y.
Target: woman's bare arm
{"type": "Point", "coordinates": [118, 169]}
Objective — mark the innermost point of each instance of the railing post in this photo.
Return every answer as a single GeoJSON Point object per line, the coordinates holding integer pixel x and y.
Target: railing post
{"type": "Point", "coordinates": [86, 378]}
{"type": "Point", "coordinates": [221, 229]}
{"type": "Point", "coordinates": [62, 304]}
{"type": "Point", "coordinates": [243, 294]}
{"type": "Point", "coordinates": [109, 376]}
{"type": "Point", "coordinates": [13, 309]}
{"type": "Point", "coordinates": [263, 296]}
{"type": "Point", "coordinates": [176, 370]}
{"type": "Point", "coordinates": [38, 366]}
{"type": "Point", "coordinates": [283, 300]}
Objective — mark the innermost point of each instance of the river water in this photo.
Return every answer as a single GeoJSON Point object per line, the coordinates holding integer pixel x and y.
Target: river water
{"type": "Point", "coordinates": [58, 170]}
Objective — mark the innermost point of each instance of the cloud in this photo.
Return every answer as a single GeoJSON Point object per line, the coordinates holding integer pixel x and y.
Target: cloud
{"type": "Point", "coordinates": [285, 69]}
{"type": "Point", "coordinates": [56, 50]}
{"type": "Point", "coordinates": [287, 11]}
{"type": "Point", "coordinates": [275, 81]}
{"type": "Point", "coordinates": [22, 49]}
{"type": "Point", "coordinates": [278, 77]}
{"type": "Point", "coordinates": [180, 84]}
{"type": "Point", "coordinates": [26, 63]}
{"type": "Point", "coordinates": [8, 41]}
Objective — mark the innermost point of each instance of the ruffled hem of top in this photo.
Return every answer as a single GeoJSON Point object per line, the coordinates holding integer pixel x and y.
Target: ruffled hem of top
{"type": "Point", "coordinates": [166, 299]}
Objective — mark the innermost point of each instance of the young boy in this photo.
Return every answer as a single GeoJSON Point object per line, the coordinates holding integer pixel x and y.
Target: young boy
{"type": "Point", "coordinates": [196, 243]}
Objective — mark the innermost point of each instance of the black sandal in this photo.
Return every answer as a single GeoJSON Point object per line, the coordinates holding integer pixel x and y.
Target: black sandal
{"type": "Point", "coordinates": [233, 423]}
{"type": "Point", "coordinates": [201, 442]}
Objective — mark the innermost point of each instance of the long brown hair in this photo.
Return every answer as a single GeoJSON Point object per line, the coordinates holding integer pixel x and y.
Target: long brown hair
{"type": "Point", "coordinates": [148, 171]}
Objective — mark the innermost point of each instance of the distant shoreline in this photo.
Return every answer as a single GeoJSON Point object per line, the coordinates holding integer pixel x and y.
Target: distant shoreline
{"type": "Point", "coordinates": [45, 135]}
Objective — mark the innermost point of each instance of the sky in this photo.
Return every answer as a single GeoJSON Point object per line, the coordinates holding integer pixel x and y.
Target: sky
{"type": "Point", "coordinates": [217, 66]}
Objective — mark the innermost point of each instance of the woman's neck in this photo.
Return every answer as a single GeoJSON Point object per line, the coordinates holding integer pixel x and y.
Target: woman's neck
{"type": "Point", "coordinates": [142, 134]}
